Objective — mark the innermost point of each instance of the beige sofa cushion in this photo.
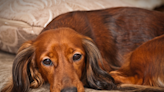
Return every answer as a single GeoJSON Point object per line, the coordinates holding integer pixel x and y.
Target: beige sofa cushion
{"type": "Point", "coordinates": [22, 20]}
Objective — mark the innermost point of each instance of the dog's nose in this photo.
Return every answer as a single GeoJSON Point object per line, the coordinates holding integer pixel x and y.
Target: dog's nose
{"type": "Point", "coordinates": [69, 89]}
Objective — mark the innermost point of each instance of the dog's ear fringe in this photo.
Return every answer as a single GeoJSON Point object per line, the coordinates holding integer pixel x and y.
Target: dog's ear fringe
{"type": "Point", "coordinates": [96, 77]}
{"type": "Point", "coordinates": [24, 75]}
{"type": "Point", "coordinates": [37, 79]}
{"type": "Point", "coordinates": [20, 69]}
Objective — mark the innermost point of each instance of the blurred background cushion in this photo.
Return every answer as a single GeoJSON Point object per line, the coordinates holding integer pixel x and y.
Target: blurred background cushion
{"type": "Point", "coordinates": [22, 20]}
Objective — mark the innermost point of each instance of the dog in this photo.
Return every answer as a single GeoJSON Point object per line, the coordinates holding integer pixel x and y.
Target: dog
{"type": "Point", "coordinates": [80, 48]}
{"type": "Point", "coordinates": [144, 65]}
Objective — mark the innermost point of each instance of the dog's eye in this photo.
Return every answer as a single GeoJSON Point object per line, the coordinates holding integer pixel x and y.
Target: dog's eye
{"type": "Point", "coordinates": [47, 62]}
{"type": "Point", "coordinates": [77, 56]}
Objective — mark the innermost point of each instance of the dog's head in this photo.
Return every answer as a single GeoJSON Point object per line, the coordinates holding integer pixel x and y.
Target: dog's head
{"type": "Point", "coordinates": [64, 58]}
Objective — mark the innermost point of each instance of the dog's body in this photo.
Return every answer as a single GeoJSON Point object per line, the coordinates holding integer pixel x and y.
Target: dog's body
{"type": "Point", "coordinates": [144, 65]}
{"type": "Point", "coordinates": [115, 31]}
{"type": "Point", "coordinates": [74, 48]}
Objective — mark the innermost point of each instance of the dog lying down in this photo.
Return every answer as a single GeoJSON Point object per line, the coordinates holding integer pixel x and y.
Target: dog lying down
{"type": "Point", "coordinates": [87, 48]}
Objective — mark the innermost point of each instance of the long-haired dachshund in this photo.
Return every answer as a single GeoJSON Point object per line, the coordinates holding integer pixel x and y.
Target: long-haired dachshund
{"type": "Point", "coordinates": [80, 48]}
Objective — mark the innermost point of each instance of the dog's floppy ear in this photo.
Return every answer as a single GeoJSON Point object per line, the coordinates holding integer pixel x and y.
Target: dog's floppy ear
{"type": "Point", "coordinates": [96, 77]}
{"type": "Point", "coordinates": [24, 72]}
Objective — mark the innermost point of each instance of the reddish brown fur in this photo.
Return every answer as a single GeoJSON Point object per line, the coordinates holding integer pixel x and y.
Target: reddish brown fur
{"type": "Point", "coordinates": [60, 48]}
{"type": "Point", "coordinates": [102, 37]}
{"type": "Point", "coordinates": [144, 66]}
